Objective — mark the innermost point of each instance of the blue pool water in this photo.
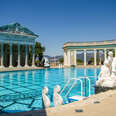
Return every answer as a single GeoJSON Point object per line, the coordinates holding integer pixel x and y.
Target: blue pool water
{"type": "Point", "coordinates": [21, 90]}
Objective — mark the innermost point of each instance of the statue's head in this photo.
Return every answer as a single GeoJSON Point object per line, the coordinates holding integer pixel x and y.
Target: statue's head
{"type": "Point", "coordinates": [110, 53]}
{"type": "Point", "coordinates": [57, 88]}
{"type": "Point", "coordinates": [45, 90]}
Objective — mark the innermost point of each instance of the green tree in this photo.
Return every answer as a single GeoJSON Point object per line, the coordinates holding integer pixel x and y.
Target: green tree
{"type": "Point", "coordinates": [39, 50]}
{"type": "Point", "coordinates": [91, 60]}
{"type": "Point", "coordinates": [61, 60]}
{"type": "Point", "coordinates": [79, 61]}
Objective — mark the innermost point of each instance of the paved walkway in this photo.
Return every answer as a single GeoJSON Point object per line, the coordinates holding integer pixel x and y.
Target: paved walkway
{"type": "Point", "coordinates": [19, 68]}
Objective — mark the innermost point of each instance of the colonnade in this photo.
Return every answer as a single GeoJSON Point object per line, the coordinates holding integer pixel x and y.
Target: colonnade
{"type": "Point", "coordinates": [18, 61]}
{"type": "Point", "coordinates": [70, 56]}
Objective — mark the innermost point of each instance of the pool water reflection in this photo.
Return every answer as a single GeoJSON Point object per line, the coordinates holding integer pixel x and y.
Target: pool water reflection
{"type": "Point", "coordinates": [21, 90]}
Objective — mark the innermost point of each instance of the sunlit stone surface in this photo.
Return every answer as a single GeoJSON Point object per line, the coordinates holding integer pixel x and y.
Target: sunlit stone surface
{"type": "Point", "coordinates": [107, 76]}
{"type": "Point", "coordinates": [46, 101]}
{"type": "Point", "coordinates": [57, 98]}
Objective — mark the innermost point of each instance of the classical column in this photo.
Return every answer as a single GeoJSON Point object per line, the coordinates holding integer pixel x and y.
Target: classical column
{"type": "Point", "coordinates": [2, 55]}
{"type": "Point", "coordinates": [95, 57]}
{"type": "Point", "coordinates": [85, 62]}
{"type": "Point", "coordinates": [105, 53]}
{"type": "Point", "coordinates": [33, 55]}
{"type": "Point", "coordinates": [10, 65]}
{"type": "Point", "coordinates": [19, 55]}
{"type": "Point", "coordinates": [65, 58]}
{"type": "Point", "coordinates": [68, 54]}
{"type": "Point", "coordinates": [75, 57]}
{"type": "Point", "coordinates": [26, 55]}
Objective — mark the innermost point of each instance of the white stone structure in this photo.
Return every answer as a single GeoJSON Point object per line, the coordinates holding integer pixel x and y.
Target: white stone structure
{"type": "Point", "coordinates": [18, 35]}
{"type": "Point", "coordinates": [57, 98]}
{"type": "Point", "coordinates": [107, 76]}
{"type": "Point", "coordinates": [71, 50]}
{"type": "Point", "coordinates": [46, 101]}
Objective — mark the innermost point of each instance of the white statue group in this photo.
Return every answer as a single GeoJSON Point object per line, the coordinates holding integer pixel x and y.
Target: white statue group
{"type": "Point", "coordinates": [56, 96]}
{"type": "Point", "coordinates": [107, 76]}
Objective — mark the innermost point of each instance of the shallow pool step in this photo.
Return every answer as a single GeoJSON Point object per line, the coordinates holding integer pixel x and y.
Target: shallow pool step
{"type": "Point", "coordinates": [76, 98]}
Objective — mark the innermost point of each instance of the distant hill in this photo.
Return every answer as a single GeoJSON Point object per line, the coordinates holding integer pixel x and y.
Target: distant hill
{"type": "Point", "coordinates": [89, 55]}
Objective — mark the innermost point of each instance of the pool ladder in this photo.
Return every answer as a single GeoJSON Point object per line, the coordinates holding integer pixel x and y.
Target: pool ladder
{"type": "Point", "coordinates": [74, 83]}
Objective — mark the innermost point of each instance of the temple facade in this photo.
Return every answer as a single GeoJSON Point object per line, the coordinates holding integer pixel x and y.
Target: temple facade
{"type": "Point", "coordinates": [72, 48]}
{"type": "Point", "coordinates": [15, 43]}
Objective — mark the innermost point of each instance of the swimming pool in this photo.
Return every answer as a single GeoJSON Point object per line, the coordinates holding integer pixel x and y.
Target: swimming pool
{"type": "Point", "coordinates": [21, 90]}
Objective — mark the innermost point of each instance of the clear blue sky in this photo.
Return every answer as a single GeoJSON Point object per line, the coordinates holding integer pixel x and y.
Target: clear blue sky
{"type": "Point", "coordinates": [59, 21]}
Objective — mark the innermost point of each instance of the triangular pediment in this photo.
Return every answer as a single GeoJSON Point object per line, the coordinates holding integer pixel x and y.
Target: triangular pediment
{"type": "Point", "coordinates": [17, 28]}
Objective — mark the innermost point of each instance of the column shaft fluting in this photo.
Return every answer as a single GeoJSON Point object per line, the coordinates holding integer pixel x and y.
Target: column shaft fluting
{"type": "Point", "coordinates": [65, 58]}
{"type": "Point", "coordinates": [26, 55]}
{"type": "Point", "coordinates": [68, 53]}
{"type": "Point", "coordinates": [10, 55]}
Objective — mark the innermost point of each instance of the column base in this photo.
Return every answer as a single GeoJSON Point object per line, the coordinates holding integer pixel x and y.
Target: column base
{"type": "Point", "coordinates": [26, 65]}
{"type": "Point", "coordinates": [2, 67]}
{"type": "Point", "coordinates": [19, 66]}
{"type": "Point", "coordinates": [33, 65]}
{"type": "Point", "coordinates": [10, 66]}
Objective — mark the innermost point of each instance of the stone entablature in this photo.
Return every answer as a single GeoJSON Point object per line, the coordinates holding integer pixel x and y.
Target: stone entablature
{"type": "Point", "coordinates": [96, 44]}
{"type": "Point", "coordinates": [16, 38]}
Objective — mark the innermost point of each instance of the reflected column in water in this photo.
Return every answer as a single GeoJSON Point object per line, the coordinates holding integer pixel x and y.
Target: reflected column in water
{"type": "Point", "coordinates": [85, 72]}
{"type": "Point", "coordinates": [18, 77]}
{"type": "Point", "coordinates": [33, 76]}
{"type": "Point", "coordinates": [11, 78]}
{"type": "Point", "coordinates": [95, 74]}
{"type": "Point", "coordinates": [26, 76]}
{"type": "Point", "coordinates": [1, 78]}
{"type": "Point", "coordinates": [46, 77]}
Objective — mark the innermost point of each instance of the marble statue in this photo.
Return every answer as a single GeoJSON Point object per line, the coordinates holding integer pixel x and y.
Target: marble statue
{"type": "Point", "coordinates": [46, 101]}
{"type": "Point", "coordinates": [56, 96]}
{"type": "Point", "coordinates": [113, 75]}
{"type": "Point", "coordinates": [110, 59]}
{"type": "Point", "coordinates": [107, 76]}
